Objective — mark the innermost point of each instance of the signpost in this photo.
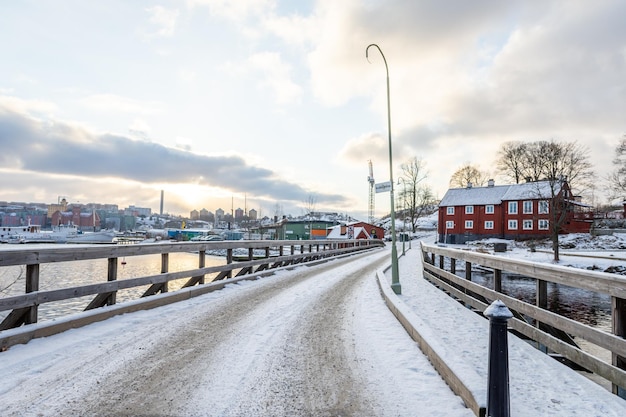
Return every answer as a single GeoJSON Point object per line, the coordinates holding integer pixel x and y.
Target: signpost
{"type": "Point", "coordinates": [383, 187]}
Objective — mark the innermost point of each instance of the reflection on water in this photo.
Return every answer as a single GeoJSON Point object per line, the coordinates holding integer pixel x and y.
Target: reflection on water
{"type": "Point", "coordinates": [60, 275]}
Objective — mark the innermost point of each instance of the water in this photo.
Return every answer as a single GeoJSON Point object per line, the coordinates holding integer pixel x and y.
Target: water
{"type": "Point", "coordinates": [60, 275]}
{"type": "Point", "coordinates": [587, 307]}
{"type": "Point", "coordinates": [584, 306]}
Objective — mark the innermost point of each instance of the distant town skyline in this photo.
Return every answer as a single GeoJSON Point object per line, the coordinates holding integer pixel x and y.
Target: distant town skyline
{"type": "Point", "coordinates": [275, 100]}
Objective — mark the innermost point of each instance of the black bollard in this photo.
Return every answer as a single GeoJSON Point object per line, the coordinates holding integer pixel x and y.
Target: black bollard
{"type": "Point", "coordinates": [498, 401]}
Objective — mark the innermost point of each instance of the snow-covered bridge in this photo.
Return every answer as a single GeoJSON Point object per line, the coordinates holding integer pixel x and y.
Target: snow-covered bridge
{"type": "Point", "coordinates": [310, 341]}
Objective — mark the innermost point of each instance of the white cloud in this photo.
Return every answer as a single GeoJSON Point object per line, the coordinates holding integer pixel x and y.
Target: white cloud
{"type": "Point", "coordinates": [20, 105]}
{"type": "Point", "coordinates": [276, 77]}
{"type": "Point", "coordinates": [164, 19]}
{"type": "Point", "coordinates": [115, 103]}
{"type": "Point", "coordinates": [236, 11]}
{"type": "Point", "coordinates": [187, 75]}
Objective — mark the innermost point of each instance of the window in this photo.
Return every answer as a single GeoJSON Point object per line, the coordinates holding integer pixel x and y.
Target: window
{"type": "Point", "coordinates": [543, 224]}
{"type": "Point", "coordinates": [512, 207]}
{"type": "Point", "coordinates": [543, 207]}
{"type": "Point", "coordinates": [512, 224]}
{"type": "Point", "coordinates": [527, 225]}
{"type": "Point", "coordinates": [528, 207]}
{"type": "Point", "coordinates": [489, 209]}
{"type": "Point", "coordinates": [469, 224]}
{"type": "Point", "coordinates": [449, 225]}
{"type": "Point", "coordinates": [489, 224]}
{"type": "Point", "coordinates": [450, 210]}
{"type": "Point", "coordinates": [469, 209]}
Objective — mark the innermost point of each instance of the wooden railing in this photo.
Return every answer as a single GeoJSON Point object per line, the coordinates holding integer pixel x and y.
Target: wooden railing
{"type": "Point", "coordinates": [24, 308]}
{"type": "Point", "coordinates": [548, 327]}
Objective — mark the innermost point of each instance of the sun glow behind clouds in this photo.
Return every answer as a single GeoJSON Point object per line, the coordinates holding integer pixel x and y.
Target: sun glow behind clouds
{"type": "Point", "coordinates": [276, 99]}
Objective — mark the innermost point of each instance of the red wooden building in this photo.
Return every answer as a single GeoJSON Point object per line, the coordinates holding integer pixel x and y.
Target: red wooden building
{"type": "Point", "coordinates": [356, 230]}
{"type": "Point", "coordinates": [84, 221]}
{"type": "Point", "coordinates": [517, 211]}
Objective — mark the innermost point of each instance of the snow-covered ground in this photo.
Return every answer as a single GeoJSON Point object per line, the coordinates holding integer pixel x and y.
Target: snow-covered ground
{"type": "Point", "coordinates": [313, 341]}
{"type": "Point", "coordinates": [539, 385]}
{"type": "Point", "coordinates": [602, 253]}
{"type": "Point", "coordinates": [299, 342]}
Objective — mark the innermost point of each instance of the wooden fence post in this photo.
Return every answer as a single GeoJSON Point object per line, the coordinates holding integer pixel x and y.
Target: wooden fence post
{"type": "Point", "coordinates": [165, 266]}
{"type": "Point", "coordinates": [497, 280]}
{"type": "Point", "coordinates": [229, 260]}
{"type": "Point", "coordinates": [112, 276]}
{"type": "Point", "coordinates": [201, 264]}
{"type": "Point", "coordinates": [542, 302]}
{"type": "Point", "coordinates": [32, 284]}
{"type": "Point", "coordinates": [618, 307]}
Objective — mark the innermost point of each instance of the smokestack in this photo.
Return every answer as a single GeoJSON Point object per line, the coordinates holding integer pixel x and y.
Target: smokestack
{"type": "Point", "coordinates": [161, 209]}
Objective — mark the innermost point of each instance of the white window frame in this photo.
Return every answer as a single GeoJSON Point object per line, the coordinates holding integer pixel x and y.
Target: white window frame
{"type": "Point", "coordinates": [449, 224]}
{"type": "Point", "coordinates": [527, 207]}
{"type": "Point", "coordinates": [469, 209]}
{"type": "Point", "coordinates": [450, 210]}
{"type": "Point", "coordinates": [527, 224]}
{"type": "Point", "coordinates": [544, 224]}
{"type": "Point", "coordinates": [543, 207]}
{"type": "Point", "coordinates": [512, 225]}
{"type": "Point", "coordinates": [489, 209]}
{"type": "Point", "coordinates": [469, 224]}
{"type": "Point", "coordinates": [512, 207]}
{"type": "Point", "coordinates": [489, 225]}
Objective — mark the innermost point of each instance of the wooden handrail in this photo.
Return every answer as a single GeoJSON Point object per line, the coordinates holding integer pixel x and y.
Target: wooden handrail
{"type": "Point", "coordinates": [599, 282]}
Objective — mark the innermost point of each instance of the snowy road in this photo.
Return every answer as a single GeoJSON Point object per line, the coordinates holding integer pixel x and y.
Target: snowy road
{"type": "Point", "coordinates": [315, 341]}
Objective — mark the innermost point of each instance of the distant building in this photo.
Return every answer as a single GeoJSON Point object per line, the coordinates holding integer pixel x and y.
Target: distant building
{"type": "Point", "coordinates": [61, 206]}
{"type": "Point", "coordinates": [84, 221]}
{"type": "Point", "coordinates": [206, 215]}
{"type": "Point", "coordinates": [302, 229]}
{"type": "Point", "coordinates": [194, 215]}
{"type": "Point", "coordinates": [219, 214]}
{"type": "Point", "coordinates": [517, 211]}
{"type": "Point", "coordinates": [252, 214]}
{"type": "Point", "coordinates": [137, 211]}
{"type": "Point", "coordinates": [355, 230]}
{"type": "Point", "coordinates": [239, 214]}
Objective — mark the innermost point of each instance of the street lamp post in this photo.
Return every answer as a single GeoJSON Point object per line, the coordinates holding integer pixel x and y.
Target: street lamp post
{"type": "Point", "coordinates": [395, 276]}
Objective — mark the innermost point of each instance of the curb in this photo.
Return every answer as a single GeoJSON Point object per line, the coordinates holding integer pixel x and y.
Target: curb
{"type": "Point", "coordinates": [409, 320]}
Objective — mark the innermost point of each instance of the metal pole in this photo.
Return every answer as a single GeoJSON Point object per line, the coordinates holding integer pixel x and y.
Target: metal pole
{"type": "Point", "coordinates": [498, 398]}
{"type": "Point", "coordinates": [395, 276]}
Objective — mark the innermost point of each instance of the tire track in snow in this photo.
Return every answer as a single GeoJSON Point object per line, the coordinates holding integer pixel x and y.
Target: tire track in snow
{"type": "Point", "coordinates": [272, 347]}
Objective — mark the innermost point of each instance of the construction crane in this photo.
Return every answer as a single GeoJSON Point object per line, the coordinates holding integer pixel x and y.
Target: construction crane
{"type": "Point", "coordinates": [370, 207]}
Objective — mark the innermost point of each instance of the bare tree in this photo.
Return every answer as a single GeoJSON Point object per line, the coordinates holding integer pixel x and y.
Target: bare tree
{"type": "Point", "coordinates": [511, 160]}
{"type": "Point", "coordinates": [617, 178]}
{"type": "Point", "coordinates": [309, 204]}
{"type": "Point", "coordinates": [309, 208]}
{"type": "Point", "coordinates": [564, 164]}
{"type": "Point", "coordinates": [468, 175]}
{"type": "Point", "coordinates": [414, 194]}
{"type": "Point", "coordinates": [547, 160]}
{"type": "Point", "coordinates": [278, 211]}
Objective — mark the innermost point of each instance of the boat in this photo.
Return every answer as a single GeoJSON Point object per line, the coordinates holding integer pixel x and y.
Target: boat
{"type": "Point", "coordinates": [32, 233]}
{"type": "Point", "coordinates": [103, 236]}
{"type": "Point", "coordinates": [59, 234]}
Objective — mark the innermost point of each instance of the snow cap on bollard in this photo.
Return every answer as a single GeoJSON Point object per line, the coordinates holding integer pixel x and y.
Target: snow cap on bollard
{"type": "Point", "coordinates": [497, 310]}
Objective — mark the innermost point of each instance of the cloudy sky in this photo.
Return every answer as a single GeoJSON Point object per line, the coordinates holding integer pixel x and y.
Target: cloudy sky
{"type": "Point", "coordinates": [217, 101]}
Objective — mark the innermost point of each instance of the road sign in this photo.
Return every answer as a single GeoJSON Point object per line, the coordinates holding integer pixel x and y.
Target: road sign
{"type": "Point", "coordinates": [383, 187]}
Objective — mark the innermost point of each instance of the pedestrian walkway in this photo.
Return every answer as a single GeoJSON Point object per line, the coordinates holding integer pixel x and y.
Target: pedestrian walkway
{"type": "Point", "coordinates": [539, 385]}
